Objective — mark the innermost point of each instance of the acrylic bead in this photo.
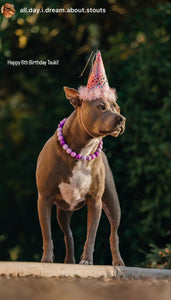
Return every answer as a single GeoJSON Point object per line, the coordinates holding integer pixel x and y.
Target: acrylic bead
{"type": "Point", "coordinates": [61, 138]}
{"type": "Point", "coordinates": [69, 150]}
{"type": "Point", "coordinates": [88, 157]}
{"type": "Point", "coordinates": [96, 153]}
{"type": "Point", "coordinates": [73, 154]}
{"type": "Point", "coordinates": [65, 147]}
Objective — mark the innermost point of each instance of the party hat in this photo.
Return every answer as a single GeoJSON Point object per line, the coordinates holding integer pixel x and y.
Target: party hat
{"type": "Point", "coordinates": [97, 78]}
{"type": "Point", "coordinates": [97, 85]}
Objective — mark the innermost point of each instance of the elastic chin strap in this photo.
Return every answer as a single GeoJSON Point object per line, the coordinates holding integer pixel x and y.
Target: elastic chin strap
{"type": "Point", "coordinates": [82, 123]}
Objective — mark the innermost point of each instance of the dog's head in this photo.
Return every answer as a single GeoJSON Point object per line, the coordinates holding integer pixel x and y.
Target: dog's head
{"type": "Point", "coordinates": [101, 117]}
{"type": "Point", "coordinates": [8, 10]}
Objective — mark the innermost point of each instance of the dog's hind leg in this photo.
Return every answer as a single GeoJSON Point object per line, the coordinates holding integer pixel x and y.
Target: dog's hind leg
{"type": "Point", "coordinates": [44, 211]}
{"type": "Point", "coordinates": [64, 218]}
{"type": "Point", "coordinates": [111, 208]}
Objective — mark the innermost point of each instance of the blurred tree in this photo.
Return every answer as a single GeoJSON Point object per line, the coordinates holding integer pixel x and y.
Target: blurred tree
{"type": "Point", "coordinates": [144, 151]}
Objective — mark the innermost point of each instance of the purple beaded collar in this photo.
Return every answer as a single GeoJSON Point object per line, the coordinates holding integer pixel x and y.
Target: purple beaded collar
{"type": "Point", "coordinates": [69, 150]}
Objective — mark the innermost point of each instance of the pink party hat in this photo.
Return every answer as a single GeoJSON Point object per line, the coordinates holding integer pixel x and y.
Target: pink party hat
{"type": "Point", "coordinates": [97, 78]}
{"type": "Point", "coordinates": [97, 85]}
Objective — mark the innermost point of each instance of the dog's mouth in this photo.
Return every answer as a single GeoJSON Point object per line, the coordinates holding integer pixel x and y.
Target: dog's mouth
{"type": "Point", "coordinates": [115, 132]}
{"type": "Point", "coordinates": [121, 129]}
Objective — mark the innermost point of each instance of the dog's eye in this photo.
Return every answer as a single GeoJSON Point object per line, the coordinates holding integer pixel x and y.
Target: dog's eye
{"type": "Point", "coordinates": [117, 108]}
{"type": "Point", "coordinates": [102, 107]}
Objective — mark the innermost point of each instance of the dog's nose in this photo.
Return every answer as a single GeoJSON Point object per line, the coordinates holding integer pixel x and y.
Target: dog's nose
{"type": "Point", "coordinates": [120, 120]}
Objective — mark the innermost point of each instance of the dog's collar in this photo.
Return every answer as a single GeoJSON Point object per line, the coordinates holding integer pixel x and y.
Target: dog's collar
{"type": "Point", "coordinates": [73, 153]}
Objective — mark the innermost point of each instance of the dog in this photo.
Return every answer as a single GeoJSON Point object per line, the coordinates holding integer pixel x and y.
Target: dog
{"type": "Point", "coordinates": [8, 10]}
{"type": "Point", "coordinates": [71, 183]}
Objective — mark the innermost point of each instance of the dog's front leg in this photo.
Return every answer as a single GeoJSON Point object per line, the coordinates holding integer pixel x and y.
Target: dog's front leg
{"type": "Point", "coordinates": [94, 208]}
{"type": "Point", "coordinates": [64, 218]}
{"type": "Point", "coordinates": [44, 211]}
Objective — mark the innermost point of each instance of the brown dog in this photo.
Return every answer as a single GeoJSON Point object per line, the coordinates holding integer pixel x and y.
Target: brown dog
{"type": "Point", "coordinates": [70, 184]}
{"type": "Point", "coordinates": [8, 10]}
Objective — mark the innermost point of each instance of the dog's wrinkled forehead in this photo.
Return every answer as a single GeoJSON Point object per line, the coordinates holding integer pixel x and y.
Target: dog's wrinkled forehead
{"type": "Point", "coordinates": [109, 103]}
{"type": "Point", "coordinates": [102, 101]}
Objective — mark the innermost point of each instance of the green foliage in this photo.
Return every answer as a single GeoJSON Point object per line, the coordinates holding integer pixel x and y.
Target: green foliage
{"type": "Point", "coordinates": [144, 93]}
{"type": "Point", "coordinates": [136, 43]}
{"type": "Point", "coordinates": [159, 258]}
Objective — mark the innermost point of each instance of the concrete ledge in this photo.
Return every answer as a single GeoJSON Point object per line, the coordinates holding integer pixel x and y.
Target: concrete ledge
{"type": "Point", "coordinates": [67, 270]}
{"type": "Point", "coordinates": [137, 273]}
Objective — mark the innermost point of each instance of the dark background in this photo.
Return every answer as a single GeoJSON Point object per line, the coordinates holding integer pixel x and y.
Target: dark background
{"type": "Point", "coordinates": [134, 39]}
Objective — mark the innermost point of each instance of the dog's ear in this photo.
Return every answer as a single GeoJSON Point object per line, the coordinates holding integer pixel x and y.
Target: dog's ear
{"type": "Point", "coordinates": [73, 96]}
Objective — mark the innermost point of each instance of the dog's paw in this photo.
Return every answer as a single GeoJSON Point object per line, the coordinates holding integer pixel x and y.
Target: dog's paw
{"type": "Point", "coordinates": [85, 262]}
{"type": "Point", "coordinates": [47, 258]}
{"type": "Point", "coordinates": [69, 261]}
{"type": "Point", "coordinates": [118, 262]}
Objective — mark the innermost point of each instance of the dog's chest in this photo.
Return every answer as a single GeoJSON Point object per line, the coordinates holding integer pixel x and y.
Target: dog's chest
{"type": "Point", "coordinates": [80, 181]}
{"type": "Point", "coordinates": [78, 186]}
